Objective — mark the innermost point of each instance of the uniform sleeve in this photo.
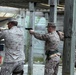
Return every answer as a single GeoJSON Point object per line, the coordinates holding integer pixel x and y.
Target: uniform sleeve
{"type": "Point", "coordinates": [43, 37]}
{"type": "Point", "coordinates": [2, 34]}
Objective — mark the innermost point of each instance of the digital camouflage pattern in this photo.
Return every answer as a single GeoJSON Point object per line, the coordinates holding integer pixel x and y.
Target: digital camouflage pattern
{"type": "Point", "coordinates": [14, 50]}
{"type": "Point", "coordinates": [14, 44]}
{"type": "Point", "coordinates": [51, 44]}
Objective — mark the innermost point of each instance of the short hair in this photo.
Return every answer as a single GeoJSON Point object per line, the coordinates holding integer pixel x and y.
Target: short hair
{"type": "Point", "coordinates": [51, 24]}
{"type": "Point", "coordinates": [13, 23]}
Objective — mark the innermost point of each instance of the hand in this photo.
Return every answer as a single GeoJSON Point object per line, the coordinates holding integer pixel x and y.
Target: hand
{"type": "Point", "coordinates": [61, 33]}
{"type": "Point", "coordinates": [31, 31]}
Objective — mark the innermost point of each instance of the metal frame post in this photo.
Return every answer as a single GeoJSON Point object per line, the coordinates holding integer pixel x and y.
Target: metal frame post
{"type": "Point", "coordinates": [31, 24]}
{"type": "Point", "coordinates": [69, 37]}
{"type": "Point", "coordinates": [53, 11]}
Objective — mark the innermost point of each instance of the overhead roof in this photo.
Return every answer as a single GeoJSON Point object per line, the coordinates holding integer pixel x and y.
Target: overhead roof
{"type": "Point", "coordinates": [23, 1]}
{"type": "Point", "coordinates": [24, 5]}
{"type": "Point", "coordinates": [20, 3]}
{"type": "Point", "coordinates": [39, 5]}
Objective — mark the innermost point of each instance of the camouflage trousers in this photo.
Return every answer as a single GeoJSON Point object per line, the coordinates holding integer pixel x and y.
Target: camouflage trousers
{"type": "Point", "coordinates": [9, 67]}
{"type": "Point", "coordinates": [51, 66]}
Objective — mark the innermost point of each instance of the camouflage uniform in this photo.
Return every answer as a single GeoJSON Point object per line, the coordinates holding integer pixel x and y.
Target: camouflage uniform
{"type": "Point", "coordinates": [14, 50]}
{"type": "Point", "coordinates": [51, 42]}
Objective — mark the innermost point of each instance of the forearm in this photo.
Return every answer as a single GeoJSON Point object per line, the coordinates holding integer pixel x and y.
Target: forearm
{"type": "Point", "coordinates": [39, 36]}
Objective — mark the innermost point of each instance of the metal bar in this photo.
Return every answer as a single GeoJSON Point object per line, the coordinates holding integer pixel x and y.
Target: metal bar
{"type": "Point", "coordinates": [53, 11]}
{"type": "Point", "coordinates": [30, 55]}
{"type": "Point", "coordinates": [5, 19]}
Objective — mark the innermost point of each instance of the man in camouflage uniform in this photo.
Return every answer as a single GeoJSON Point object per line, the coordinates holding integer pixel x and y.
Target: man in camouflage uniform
{"type": "Point", "coordinates": [51, 42]}
{"type": "Point", "coordinates": [14, 50]}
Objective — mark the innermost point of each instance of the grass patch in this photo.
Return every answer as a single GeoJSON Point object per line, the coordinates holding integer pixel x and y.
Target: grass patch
{"type": "Point", "coordinates": [38, 59]}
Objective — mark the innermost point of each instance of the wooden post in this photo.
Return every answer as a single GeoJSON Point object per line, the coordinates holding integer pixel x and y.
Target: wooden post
{"type": "Point", "coordinates": [69, 37]}
{"type": "Point", "coordinates": [53, 11]}
{"type": "Point", "coordinates": [30, 55]}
